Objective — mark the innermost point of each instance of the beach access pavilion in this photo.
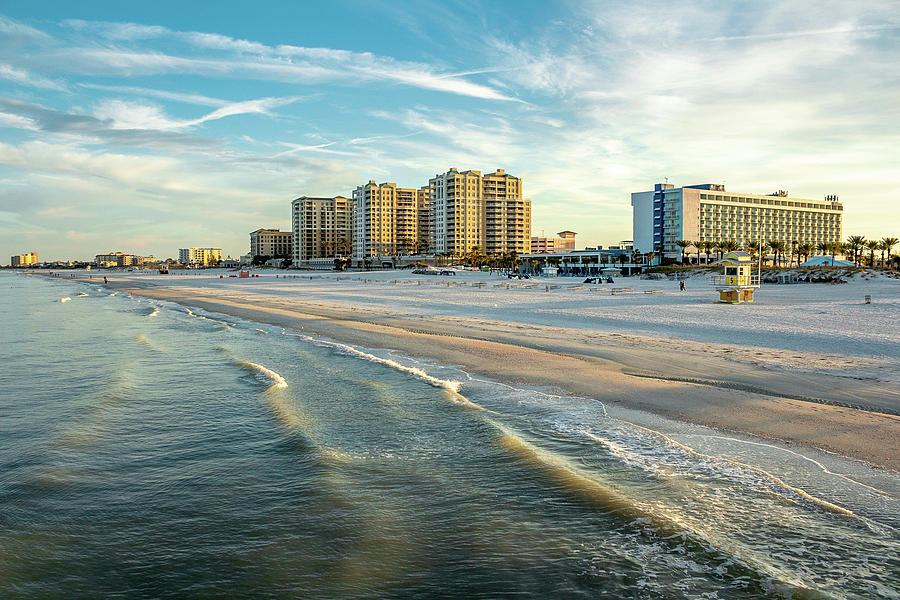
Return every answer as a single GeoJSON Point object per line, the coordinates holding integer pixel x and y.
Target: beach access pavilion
{"type": "Point", "coordinates": [826, 261]}
{"type": "Point", "coordinates": [581, 263]}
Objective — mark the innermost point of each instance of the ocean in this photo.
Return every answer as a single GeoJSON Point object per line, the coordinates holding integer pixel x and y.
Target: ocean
{"type": "Point", "coordinates": [148, 450]}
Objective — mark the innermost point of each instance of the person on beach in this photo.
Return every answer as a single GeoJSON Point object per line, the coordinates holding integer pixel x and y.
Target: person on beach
{"type": "Point", "coordinates": [681, 286]}
{"type": "Point", "coordinates": [104, 280]}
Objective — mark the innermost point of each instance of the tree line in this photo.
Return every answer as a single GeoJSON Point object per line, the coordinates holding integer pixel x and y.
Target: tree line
{"type": "Point", "coordinates": [857, 248]}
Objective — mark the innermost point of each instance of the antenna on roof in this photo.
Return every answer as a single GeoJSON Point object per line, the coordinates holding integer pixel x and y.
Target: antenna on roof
{"type": "Point", "coordinates": [667, 180]}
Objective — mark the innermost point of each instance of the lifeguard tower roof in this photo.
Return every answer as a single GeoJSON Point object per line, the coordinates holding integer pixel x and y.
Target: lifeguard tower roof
{"type": "Point", "coordinates": [737, 256]}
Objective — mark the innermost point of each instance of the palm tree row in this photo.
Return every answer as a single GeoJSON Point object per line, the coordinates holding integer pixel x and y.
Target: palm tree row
{"type": "Point", "coordinates": [854, 248]}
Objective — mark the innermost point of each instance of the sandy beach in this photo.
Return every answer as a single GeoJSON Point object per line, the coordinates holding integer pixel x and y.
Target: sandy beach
{"type": "Point", "coordinates": [844, 403]}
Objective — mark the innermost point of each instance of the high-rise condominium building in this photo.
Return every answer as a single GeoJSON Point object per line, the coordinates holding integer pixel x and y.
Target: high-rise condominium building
{"type": "Point", "coordinates": [202, 257]}
{"type": "Point", "coordinates": [425, 220]}
{"type": "Point", "coordinates": [488, 212]}
{"type": "Point", "coordinates": [322, 227]}
{"type": "Point", "coordinates": [23, 260]}
{"type": "Point", "coordinates": [271, 242]}
{"type": "Point", "coordinates": [708, 213]}
{"type": "Point", "coordinates": [385, 220]}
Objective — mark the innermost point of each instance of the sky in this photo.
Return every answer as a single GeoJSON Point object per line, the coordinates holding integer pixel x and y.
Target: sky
{"type": "Point", "coordinates": [145, 127]}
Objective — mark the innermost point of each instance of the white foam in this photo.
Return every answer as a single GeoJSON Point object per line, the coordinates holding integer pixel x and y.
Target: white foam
{"type": "Point", "coordinates": [277, 380]}
{"type": "Point", "coordinates": [447, 384]}
{"type": "Point", "coordinates": [66, 299]}
{"type": "Point", "coordinates": [821, 503]}
{"type": "Point", "coordinates": [154, 312]}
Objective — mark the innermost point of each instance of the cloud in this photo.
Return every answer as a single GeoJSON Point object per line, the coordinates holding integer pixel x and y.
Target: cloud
{"type": "Point", "coordinates": [93, 129]}
{"type": "Point", "coordinates": [137, 115]}
{"type": "Point", "coordinates": [216, 55]}
{"type": "Point", "coordinates": [117, 31]}
{"type": "Point", "coordinates": [16, 32]}
{"type": "Point", "coordinates": [780, 35]}
{"type": "Point", "coordinates": [17, 122]}
{"type": "Point", "coordinates": [23, 77]}
{"type": "Point", "coordinates": [154, 93]}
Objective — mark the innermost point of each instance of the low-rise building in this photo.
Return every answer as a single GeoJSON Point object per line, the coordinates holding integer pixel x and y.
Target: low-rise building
{"type": "Point", "coordinates": [271, 242]}
{"type": "Point", "coordinates": [115, 259]}
{"type": "Point", "coordinates": [583, 263]}
{"type": "Point", "coordinates": [564, 243]}
{"type": "Point", "coordinates": [201, 257]}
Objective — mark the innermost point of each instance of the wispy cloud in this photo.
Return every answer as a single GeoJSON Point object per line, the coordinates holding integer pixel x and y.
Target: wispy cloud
{"type": "Point", "coordinates": [136, 115]}
{"type": "Point", "coordinates": [154, 93]}
{"type": "Point", "coordinates": [780, 35]}
{"type": "Point", "coordinates": [92, 129]}
{"type": "Point", "coordinates": [23, 77]}
{"type": "Point", "coordinates": [295, 64]}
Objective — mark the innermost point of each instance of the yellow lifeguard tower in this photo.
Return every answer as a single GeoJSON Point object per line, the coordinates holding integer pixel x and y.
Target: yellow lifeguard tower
{"type": "Point", "coordinates": [738, 283]}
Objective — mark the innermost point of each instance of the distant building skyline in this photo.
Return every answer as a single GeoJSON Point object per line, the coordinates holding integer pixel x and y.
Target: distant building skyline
{"type": "Point", "coordinates": [161, 127]}
{"type": "Point", "coordinates": [23, 260]}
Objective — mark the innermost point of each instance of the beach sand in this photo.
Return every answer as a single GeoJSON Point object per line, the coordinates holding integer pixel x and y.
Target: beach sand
{"type": "Point", "coordinates": [690, 381]}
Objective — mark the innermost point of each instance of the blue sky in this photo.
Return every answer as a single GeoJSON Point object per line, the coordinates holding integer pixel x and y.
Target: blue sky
{"type": "Point", "coordinates": [149, 126]}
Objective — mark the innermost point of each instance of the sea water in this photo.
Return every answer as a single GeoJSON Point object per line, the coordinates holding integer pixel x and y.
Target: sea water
{"type": "Point", "coordinates": [149, 450]}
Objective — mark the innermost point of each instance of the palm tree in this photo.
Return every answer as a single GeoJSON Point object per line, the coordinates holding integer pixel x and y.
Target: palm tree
{"type": "Point", "coordinates": [345, 246]}
{"type": "Point", "coordinates": [854, 243]}
{"type": "Point", "coordinates": [872, 246]}
{"type": "Point", "coordinates": [649, 256]}
{"type": "Point", "coordinates": [777, 247]}
{"type": "Point", "coordinates": [754, 247]}
{"type": "Point", "coordinates": [730, 245]}
{"type": "Point", "coordinates": [707, 248]}
{"type": "Point", "coordinates": [834, 248]}
{"type": "Point", "coordinates": [683, 244]}
{"type": "Point", "coordinates": [886, 244]}
{"type": "Point", "coordinates": [719, 248]}
{"type": "Point", "coordinates": [823, 248]}
{"type": "Point", "coordinates": [804, 249]}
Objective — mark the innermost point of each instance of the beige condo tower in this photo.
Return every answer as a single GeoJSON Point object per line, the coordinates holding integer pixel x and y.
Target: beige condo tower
{"type": "Point", "coordinates": [484, 211]}
{"type": "Point", "coordinates": [386, 220]}
{"type": "Point", "coordinates": [321, 227]}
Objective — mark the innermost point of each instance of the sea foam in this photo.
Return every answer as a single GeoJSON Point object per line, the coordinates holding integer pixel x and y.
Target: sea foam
{"type": "Point", "coordinates": [276, 380]}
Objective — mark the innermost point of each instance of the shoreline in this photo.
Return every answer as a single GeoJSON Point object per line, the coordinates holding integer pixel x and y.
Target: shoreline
{"type": "Point", "coordinates": [850, 417]}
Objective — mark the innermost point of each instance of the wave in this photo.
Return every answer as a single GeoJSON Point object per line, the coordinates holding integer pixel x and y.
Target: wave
{"type": "Point", "coordinates": [821, 503]}
{"type": "Point", "coordinates": [191, 313]}
{"type": "Point", "coordinates": [82, 294]}
{"type": "Point", "coordinates": [66, 299]}
{"type": "Point", "coordinates": [450, 385]}
{"type": "Point", "coordinates": [276, 380]}
{"type": "Point", "coordinates": [153, 312]}
{"type": "Point", "coordinates": [572, 479]}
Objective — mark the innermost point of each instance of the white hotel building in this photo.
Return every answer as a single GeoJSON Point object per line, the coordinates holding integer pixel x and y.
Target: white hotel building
{"type": "Point", "coordinates": [708, 213]}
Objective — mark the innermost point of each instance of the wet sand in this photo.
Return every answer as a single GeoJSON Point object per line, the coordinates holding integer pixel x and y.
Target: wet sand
{"type": "Point", "coordinates": [688, 381]}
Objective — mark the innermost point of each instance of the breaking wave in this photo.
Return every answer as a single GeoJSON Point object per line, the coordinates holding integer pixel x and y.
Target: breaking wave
{"type": "Point", "coordinates": [448, 384]}
{"type": "Point", "coordinates": [276, 381]}
{"type": "Point", "coordinates": [66, 299]}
